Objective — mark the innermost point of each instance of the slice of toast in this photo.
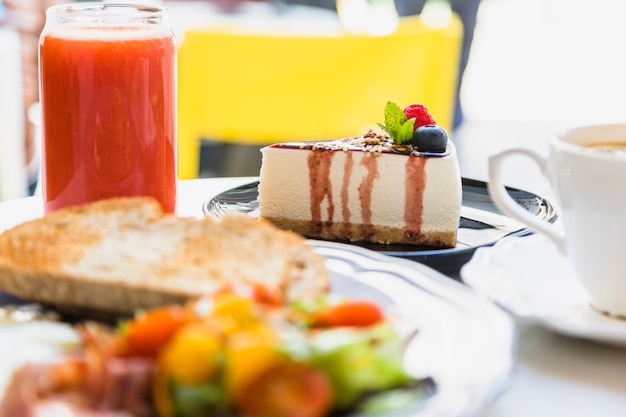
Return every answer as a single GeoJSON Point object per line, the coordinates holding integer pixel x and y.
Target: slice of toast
{"type": "Point", "coordinates": [124, 254]}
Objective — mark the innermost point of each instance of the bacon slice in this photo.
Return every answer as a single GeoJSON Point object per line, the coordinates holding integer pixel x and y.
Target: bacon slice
{"type": "Point", "coordinates": [92, 384]}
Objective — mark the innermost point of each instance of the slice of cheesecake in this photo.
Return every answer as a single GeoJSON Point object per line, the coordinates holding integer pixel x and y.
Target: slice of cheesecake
{"type": "Point", "coordinates": [364, 188]}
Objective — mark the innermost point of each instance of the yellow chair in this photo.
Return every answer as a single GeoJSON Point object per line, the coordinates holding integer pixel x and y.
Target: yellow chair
{"type": "Point", "coordinates": [259, 89]}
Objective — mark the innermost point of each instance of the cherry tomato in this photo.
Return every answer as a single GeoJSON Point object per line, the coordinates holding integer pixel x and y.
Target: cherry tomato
{"type": "Point", "coordinates": [150, 331]}
{"type": "Point", "coordinates": [355, 313]}
{"type": "Point", "coordinates": [265, 294]}
{"type": "Point", "coordinates": [288, 390]}
{"type": "Point", "coordinates": [258, 292]}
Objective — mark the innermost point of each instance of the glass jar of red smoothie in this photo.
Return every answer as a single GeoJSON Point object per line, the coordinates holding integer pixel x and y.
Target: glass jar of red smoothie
{"type": "Point", "coordinates": [107, 76]}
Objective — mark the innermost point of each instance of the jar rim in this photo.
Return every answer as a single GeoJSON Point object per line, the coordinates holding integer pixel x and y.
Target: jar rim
{"type": "Point", "coordinates": [103, 14]}
{"type": "Point", "coordinates": [91, 10]}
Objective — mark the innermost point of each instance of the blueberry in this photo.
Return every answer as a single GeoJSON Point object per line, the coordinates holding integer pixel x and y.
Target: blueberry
{"type": "Point", "coordinates": [430, 138]}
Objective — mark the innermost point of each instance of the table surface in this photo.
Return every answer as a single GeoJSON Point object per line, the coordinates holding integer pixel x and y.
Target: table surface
{"type": "Point", "coordinates": [554, 375]}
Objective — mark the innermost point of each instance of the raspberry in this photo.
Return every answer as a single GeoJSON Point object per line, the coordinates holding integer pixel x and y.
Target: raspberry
{"type": "Point", "coordinates": [420, 114]}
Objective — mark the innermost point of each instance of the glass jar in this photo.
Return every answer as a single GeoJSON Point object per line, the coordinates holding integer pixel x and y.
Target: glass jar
{"type": "Point", "coordinates": [107, 76]}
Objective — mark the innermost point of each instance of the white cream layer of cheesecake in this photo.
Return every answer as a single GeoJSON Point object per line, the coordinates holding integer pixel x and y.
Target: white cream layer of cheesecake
{"type": "Point", "coordinates": [285, 187]}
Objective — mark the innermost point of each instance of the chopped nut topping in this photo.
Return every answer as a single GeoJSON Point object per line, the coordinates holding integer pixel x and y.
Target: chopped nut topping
{"type": "Point", "coordinates": [371, 141]}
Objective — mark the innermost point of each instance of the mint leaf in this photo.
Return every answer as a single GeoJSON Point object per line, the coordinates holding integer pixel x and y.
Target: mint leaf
{"type": "Point", "coordinates": [397, 125]}
{"type": "Point", "coordinates": [394, 116]}
{"type": "Point", "coordinates": [389, 131]}
{"type": "Point", "coordinates": [405, 133]}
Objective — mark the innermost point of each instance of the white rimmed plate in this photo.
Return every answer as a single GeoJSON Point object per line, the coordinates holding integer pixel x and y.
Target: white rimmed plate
{"type": "Point", "coordinates": [530, 278]}
{"type": "Point", "coordinates": [465, 343]}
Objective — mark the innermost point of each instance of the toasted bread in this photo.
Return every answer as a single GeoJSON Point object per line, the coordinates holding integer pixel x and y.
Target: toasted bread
{"type": "Point", "coordinates": [124, 254]}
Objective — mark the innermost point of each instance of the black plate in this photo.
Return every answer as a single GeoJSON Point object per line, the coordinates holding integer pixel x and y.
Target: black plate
{"type": "Point", "coordinates": [481, 222]}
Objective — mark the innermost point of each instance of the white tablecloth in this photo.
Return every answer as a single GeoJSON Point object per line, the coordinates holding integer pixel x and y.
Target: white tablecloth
{"type": "Point", "coordinates": [555, 376]}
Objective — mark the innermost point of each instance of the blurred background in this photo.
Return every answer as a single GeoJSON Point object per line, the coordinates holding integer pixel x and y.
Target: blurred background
{"type": "Point", "coordinates": [538, 67]}
{"type": "Point", "coordinates": [534, 67]}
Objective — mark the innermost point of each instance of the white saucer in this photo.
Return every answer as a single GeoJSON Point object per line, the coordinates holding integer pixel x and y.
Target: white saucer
{"type": "Point", "coordinates": [530, 278]}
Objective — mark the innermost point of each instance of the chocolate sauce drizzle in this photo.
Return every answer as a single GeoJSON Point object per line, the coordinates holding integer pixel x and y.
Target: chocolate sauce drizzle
{"type": "Point", "coordinates": [345, 196]}
{"type": "Point", "coordinates": [365, 193]}
{"type": "Point", "coordinates": [320, 187]}
{"type": "Point", "coordinates": [414, 186]}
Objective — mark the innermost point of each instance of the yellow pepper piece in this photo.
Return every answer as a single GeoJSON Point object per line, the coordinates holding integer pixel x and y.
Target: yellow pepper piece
{"type": "Point", "coordinates": [191, 356]}
{"type": "Point", "coordinates": [248, 354]}
{"type": "Point", "coordinates": [236, 306]}
{"type": "Point", "coordinates": [160, 394]}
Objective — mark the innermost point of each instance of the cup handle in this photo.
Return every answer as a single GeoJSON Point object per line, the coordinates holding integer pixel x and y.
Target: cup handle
{"type": "Point", "coordinates": [504, 202]}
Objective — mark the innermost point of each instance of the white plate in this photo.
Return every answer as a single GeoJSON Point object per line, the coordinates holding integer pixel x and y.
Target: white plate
{"type": "Point", "coordinates": [529, 277]}
{"type": "Point", "coordinates": [465, 343]}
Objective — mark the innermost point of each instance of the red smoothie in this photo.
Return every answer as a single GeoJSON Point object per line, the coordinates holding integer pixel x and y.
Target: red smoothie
{"type": "Point", "coordinates": [108, 103]}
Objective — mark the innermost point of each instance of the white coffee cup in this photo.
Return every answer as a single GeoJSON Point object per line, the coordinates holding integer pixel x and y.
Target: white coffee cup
{"type": "Point", "coordinates": [590, 188]}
